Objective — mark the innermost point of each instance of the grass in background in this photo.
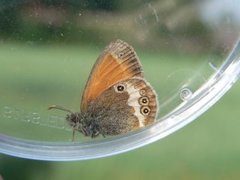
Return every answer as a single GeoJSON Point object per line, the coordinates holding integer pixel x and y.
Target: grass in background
{"type": "Point", "coordinates": [206, 149]}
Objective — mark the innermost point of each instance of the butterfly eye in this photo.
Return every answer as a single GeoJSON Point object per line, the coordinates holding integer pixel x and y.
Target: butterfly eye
{"type": "Point", "coordinates": [145, 110]}
{"type": "Point", "coordinates": [120, 88]}
{"type": "Point", "coordinates": [143, 101]}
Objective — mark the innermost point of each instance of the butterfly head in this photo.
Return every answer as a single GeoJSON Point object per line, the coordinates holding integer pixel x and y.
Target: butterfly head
{"type": "Point", "coordinates": [81, 122]}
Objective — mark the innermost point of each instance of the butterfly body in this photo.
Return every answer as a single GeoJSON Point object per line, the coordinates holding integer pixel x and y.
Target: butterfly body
{"type": "Point", "coordinates": [117, 98]}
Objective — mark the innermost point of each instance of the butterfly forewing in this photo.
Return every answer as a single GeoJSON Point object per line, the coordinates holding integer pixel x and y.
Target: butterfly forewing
{"type": "Point", "coordinates": [118, 62]}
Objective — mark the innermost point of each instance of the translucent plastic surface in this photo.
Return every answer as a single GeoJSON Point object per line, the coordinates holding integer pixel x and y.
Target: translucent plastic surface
{"type": "Point", "coordinates": [190, 53]}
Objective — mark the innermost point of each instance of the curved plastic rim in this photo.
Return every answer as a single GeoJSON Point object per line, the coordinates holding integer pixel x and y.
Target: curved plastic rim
{"type": "Point", "coordinates": [201, 100]}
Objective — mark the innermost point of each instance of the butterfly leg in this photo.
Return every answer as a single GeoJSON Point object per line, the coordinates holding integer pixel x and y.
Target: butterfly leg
{"type": "Point", "coordinates": [59, 108]}
{"type": "Point", "coordinates": [73, 135]}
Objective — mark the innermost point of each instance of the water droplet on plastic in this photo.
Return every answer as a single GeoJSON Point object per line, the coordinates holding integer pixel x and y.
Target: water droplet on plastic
{"type": "Point", "coordinates": [185, 94]}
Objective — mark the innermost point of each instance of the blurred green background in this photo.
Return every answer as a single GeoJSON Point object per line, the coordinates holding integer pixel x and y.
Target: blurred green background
{"type": "Point", "coordinates": [47, 48]}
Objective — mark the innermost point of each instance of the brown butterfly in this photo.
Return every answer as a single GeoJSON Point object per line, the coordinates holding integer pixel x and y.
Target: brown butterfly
{"type": "Point", "coordinates": [117, 99]}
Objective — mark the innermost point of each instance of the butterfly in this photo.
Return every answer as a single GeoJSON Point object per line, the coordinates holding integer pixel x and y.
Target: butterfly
{"type": "Point", "coordinates": [117, 98]}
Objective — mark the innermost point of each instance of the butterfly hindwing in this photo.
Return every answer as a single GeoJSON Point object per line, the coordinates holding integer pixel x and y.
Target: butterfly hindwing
{"type": "Point", "coordinates": [125, 106]}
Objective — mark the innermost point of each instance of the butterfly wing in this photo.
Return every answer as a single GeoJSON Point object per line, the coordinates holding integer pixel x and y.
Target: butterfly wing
{"type": "Point", "coordinates": [117, 63]}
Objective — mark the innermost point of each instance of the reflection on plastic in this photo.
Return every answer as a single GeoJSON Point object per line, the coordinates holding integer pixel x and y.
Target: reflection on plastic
{"type": "Point", "coordinates": [53, 121]}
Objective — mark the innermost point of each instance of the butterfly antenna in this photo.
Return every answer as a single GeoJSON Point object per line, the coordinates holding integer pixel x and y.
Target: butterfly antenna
{"type": "Point", "coordinates": [59, 108]}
